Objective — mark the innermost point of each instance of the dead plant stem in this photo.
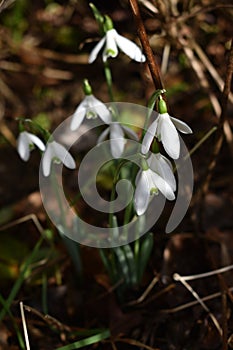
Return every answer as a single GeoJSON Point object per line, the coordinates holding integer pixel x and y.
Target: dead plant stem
{"type": "Point", "coordinates": [220, 132]}
{"type": "Point", "coordinates": [152, 64]}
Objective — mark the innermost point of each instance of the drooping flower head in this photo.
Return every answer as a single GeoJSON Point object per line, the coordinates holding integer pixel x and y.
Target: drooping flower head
{"type": "Point", "coordinates": [164, 128]}
{"type": "Point", "coordinates": [156, 175]}
{"type": "Point", "coordinates": [112, 41]}
{"type": "Point", "coordinates": [117, 138]}
{"type": "Point", "coordinates": [56, 153]}
{"type": "Point", "coordinates": [26, 142]}
{"type": "Point", "coordinates": [90, 107]}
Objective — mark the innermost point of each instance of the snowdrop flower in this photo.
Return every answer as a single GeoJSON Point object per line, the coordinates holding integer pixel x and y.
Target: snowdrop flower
{"type": "Point", "coordinates": [163, 167]}
{"type": "Point", "coordinates": [116, 133]}
{"type": "Point", "coordinates": [149, 182]}
{"type": "Point", "coordinates": [26, 142]}
{"type": "Point", "coordinates": [112, 41]}
{"type": "Point", "coordinates": [57, 153]}
{"type": "Point", "coordinates": [164, 128]}
{"type": "Point", "coordinates": [90, 107]}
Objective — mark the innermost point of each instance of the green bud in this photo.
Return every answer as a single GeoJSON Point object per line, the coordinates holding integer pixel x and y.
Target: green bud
{"type": "Point", "coordinates": [87, 88]}
{"type": "Point", "coordinates": [108, 24]}
{"type": "Point", "coordinates": [162, 106]}
{"type": "Point", "coordinates": [154, 98]}
{"type": "Point", "coordinates": [99, 18]}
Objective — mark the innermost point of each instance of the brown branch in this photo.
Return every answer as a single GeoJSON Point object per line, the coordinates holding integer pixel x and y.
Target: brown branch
{"type": "Point", "coordinates": [152, 64]}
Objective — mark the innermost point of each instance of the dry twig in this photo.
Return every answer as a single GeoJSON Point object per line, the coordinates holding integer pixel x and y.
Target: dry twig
{"type": "Point", "coordinates": [179, 278]}
{"type": "Point", "coordinates": [219, 133]}
{"type": "Point", "coordinates": [153, 66]}
{"type": "Point", "coordinates": [24, 326]}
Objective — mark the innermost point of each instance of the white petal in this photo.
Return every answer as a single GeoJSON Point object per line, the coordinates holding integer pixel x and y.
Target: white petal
{"type": "Point", "coordinates": [162, 185]}
{"type": "Point", "coordinates": [162, 166]}
{"type": "Point", "coordinates": [96, 50]}
{"type": "Point", "coordinates": [181, 126]}
{"type": "Point", "coordinates": [169, 136]}
{"type": "Point", "coordinates": [23, 146]}
{"type": "Point", "coordinates": [78, 116]}
{"type": "Point", "coordinates": [137, 177]}
{"type": "Point", "coordinates": [130, 133]}
{"type": "Point", "coordinates": [34, 139]}
{"type": "Point", "coordinates": [47, 160]}
{"type": "Point", "coordinates": [91, 101]}
{"type": "Point", "coordinates": [130, 48]}
{"type": "Point", "coordinates": [117, 140]}
{"type": "Point", "coordinates": [110, 49]}
{"type": "Point", "coordinates": [168, 171]}
{"type": "Point", "coordinates": [142, 193]}
{"type": "Point", "coordinates": [61, 153]}
{"type": "Point", "coordinates": [148, 138]}
{"type": "Point", "coordinates": [103, 136]}
{"type": "Point", "coordinates": [99, 108]}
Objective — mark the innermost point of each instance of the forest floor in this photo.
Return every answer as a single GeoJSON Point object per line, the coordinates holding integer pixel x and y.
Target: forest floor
{"type": "Point", "coordinates": [44, 48]}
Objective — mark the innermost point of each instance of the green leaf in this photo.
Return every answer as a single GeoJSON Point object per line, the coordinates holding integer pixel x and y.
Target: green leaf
{"type": "Point", "coordinates": [73, 249]}
{"type": "Point", "coordinates": [87, 341]}
{"type": "Point", "coordinates": [107, 264]}
{"type": "Point", "coordinates": [131, 264]}
{"type": "Point", "coordinates": [144, 254]}
{"type": "Point", "coordinates": [123, 265]}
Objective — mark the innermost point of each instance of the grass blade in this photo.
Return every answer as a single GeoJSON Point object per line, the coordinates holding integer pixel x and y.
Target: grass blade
{"type": "Point", "coordinates": [87, 341]}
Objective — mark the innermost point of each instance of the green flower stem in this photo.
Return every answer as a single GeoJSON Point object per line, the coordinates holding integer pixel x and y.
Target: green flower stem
{"type": "Point", "coordinates": [150, 107]}
{"type": "Point", "coordinates": [108, 76]}
{"type": "Point", "coordinates": [99, 18]}
{"type": "Point", "coordinates": [55, 186]}
{"type": "Point", "coordinates": [45, 133]}
{"type": "Point", "coordinates": [113, 192]}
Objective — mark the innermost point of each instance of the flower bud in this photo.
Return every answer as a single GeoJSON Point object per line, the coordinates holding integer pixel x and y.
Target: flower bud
{"type": "Point", "coordinates": [108, 24]}
{"type": "Point", "coordinates": [162, 106]}
{"type": "Point", "coordinates": [87, 88]}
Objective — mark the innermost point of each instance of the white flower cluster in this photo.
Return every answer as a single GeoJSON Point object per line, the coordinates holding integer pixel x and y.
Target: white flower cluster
{"type": "Point", "coordinates": [156, 173]}
{"type": "Point", "coordinates": [90, 108]}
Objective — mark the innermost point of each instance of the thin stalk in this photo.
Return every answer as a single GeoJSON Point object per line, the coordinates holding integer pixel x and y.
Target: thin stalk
{"type": "Point", "coordinates": [152, 64]}
{"type": "Point", "coordinates": [108, 76]}
{"type": "Point", "coordinates": [24, 326]}
{"type": "Point", "coordinates": [55, 185]}
{"type": "Point", "coordinates": [113, 192]}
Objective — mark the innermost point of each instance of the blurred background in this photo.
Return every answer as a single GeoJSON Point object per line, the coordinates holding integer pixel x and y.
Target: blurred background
{"type": "Point", "coordinates": [44, 49]}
